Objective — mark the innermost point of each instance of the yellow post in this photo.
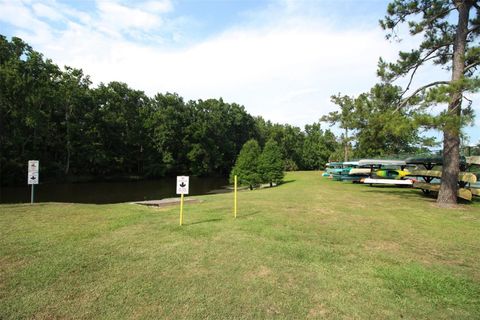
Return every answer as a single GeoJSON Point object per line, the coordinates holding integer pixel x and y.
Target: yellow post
{"type": "Point", "coordinates": [235, 198]}
{"type": "Point", "coordinates": [181, 209]}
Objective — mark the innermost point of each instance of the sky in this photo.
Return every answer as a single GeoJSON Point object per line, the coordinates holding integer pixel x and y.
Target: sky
{"type": "Point", "coordinates": [281, 59]}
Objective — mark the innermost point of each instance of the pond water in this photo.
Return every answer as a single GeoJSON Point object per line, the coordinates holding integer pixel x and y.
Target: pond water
{"type": "Point", "coordinates": [110, 192]}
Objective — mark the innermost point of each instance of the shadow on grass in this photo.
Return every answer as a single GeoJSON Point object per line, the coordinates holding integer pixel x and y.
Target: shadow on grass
{"type": "Point", "coordinates": [412, 194]}
{"type": "Point", "coordinates": [240, 216]}
{"type": "Point", "coordinates": [274, 186]}
{"type": "Point", "coordinates": [13, 206]}
{"type": "Point", "coordinates": [205, 221]}
{"type": "Point", "coordinates": [229, 189]}
{"type": "Point", "coordinates": [28, 205]}
{"type": "Point", "coordinates": [406, 193]}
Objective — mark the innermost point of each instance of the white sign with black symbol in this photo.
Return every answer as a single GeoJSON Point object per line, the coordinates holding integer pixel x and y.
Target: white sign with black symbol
{"type": "Point", "coordinates": [182, 184]}
{"type": "Point", "coordinates": [33, 167]}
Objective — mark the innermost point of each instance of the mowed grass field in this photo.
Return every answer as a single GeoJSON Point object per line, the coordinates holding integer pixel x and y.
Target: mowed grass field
{"type": "Point", "coordinates": [310, 248]}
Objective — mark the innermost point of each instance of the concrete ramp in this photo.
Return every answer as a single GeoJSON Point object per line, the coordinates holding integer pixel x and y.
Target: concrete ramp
{"type": "Point", "coordinates": [167, 202]}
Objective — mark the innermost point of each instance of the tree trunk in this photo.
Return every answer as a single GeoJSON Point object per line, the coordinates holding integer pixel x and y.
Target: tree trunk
{"type": "Point", "coordinates": [346, 145]}
{"type": "Point", "coordinates": [451, 132]}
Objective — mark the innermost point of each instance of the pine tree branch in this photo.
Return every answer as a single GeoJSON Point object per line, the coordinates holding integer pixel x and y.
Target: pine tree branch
{"type": "Point", "coordinates": [471, 65]}
{"type": "Point", "coordinates": [426, 58]}
{"type": "Point", "coordinates": [401, 18]}
{"type": "Point", "coordinates": [473, 29]}
{"type": "Point", "coordinates": [405, 101]}
{"type": "Point", "coordinates": [418, 64]}
{"type": "Point", "coordinates": [440, 14]}
{"type": "Point", "coordinates": [397, 19]}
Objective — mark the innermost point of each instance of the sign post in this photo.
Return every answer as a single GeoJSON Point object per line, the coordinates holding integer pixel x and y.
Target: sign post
{"type": "Point", "coordinates": [181, 209]}
{"type": "Point", "coordinates": [182, 188]}
{"type": "Point", "coordinates": [235, 197]}
{"type": "Point", "coordinates": [32, 178]}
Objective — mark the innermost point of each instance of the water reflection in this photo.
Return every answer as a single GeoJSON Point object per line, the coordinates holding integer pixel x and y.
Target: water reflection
{"type": "Point", "coordinates": [109, 192]}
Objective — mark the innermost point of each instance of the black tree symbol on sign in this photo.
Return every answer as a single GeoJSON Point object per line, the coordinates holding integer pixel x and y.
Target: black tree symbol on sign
{"type": "Point", "coordinates": [183, 185]}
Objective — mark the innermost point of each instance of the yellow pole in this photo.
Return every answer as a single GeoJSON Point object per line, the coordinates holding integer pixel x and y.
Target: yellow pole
{"type": "Point", "coordinates": [235, 198]}
{"type": "Point", "coordinates": [181, 209]}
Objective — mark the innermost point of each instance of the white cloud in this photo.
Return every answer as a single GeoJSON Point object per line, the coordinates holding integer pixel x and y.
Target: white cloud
{"type": "Point", "coordinates": [285, 74]}
{"type": "Point", "coordinates": [24, 19]}
{"type": "Point", "coordinates": [18, 15]}
{"type": "Point", "coordinates": [115, 18]}
{"type": "Point", "coordinates": [42, 10]}
{"type": "Point", "coordinates": [158, 6]}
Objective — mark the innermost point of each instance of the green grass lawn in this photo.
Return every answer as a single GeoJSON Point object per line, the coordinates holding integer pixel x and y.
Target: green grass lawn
{"type": "Point", "coordinates": [310, 248]}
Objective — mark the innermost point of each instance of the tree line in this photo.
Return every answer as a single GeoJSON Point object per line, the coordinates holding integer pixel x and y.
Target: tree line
{"type": "Point", "coordinates": [81, 131]}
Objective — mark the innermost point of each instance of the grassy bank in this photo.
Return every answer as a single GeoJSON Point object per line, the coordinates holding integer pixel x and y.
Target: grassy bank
{"type": "Point", "coordinates": [311, 248]}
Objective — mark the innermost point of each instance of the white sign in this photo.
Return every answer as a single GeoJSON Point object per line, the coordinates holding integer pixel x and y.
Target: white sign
{"type": "Point", "coordinates": [33, 168]}
{"type": "Point", "coordinates": [33, 178]}
{"type": "Point", "coordinates": [182, 184]}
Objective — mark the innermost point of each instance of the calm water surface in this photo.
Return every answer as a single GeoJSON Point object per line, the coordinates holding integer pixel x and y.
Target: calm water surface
{"type": "Point", "coordinates": [110, 192]}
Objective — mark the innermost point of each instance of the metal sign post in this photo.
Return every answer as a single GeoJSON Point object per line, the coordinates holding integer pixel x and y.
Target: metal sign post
{"type": "Point", "coordinates": [33, 177]}
{"type": "Point", "coordinates": [235, 197]}
{"type": "Point", "coordinates": [182, 188]}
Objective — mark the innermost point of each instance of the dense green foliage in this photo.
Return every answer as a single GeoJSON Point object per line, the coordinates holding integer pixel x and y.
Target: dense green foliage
{"type": "Point", "coordinates": [318, 146]}
{"type": "Point", "coordinates": [80, 131]}
{"type": "Point", "coordinates": [381, 128]}
{"type": "Point", "coordinates": [255, 166]}
{"type": "Point", "coordinates": [375, 127]}
{"type": "Point", "coordinates": [247, 167]}
{"type": "Point", "coordinates": [271, 163]}
{"type": "Point", "coordinates": [290, 140]}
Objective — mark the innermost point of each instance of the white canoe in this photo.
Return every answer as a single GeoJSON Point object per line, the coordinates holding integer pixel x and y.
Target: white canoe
{"type": "Point", "coordinates": [388, 181]}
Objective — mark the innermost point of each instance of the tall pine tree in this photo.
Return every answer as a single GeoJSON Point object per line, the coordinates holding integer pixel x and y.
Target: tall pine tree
{"type": "Point", "coordinates": [271, 163]}
{"type": "Point", "coordinates": [246, 166]}
{"type": "Point", "coordinates": [450, 30]}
